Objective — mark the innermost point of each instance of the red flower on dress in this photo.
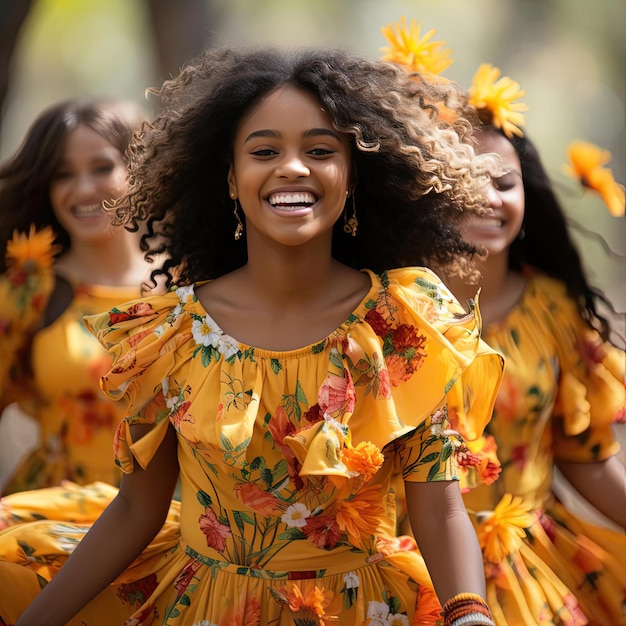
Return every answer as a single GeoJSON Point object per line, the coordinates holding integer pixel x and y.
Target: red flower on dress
{"type": "Point", "coordinates": [323, 531]}
{"type": "Point", "coordinates": [215, 532]}
{"type": "Point", "coordinates": [377, 322]}
{"type": "Point", "coordinates": [141, 309]}
{"type": "Point", "coordinates": [405, 337]}
{"type": "Point", "coordinates": [314, 414]}
{"type": "Point", "coordinates": [139, 591]}
{"type": "Point", "coordinates": [185, 577]}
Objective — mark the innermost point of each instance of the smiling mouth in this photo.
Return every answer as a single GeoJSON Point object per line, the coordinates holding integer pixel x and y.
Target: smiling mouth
{"type": "Point", "coordinates": [292, 201]}
{"type": "Point", "coordinates": [91, 210]}
{"type": "Point", "coordinates": [489, 222]}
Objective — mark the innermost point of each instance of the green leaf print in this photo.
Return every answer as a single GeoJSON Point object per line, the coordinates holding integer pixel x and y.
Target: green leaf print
{"type": "Point", "coordinates": [204, 499]}
{"type": "Point", "coordinates": [185, 600]}
{"type": "Point", "coordinates": [318, 347]}
{"type": "Point", "coordinates": [432, 473]}
{"type": "Point", "coordinates": [276, 365]}
{"type": "Point", "coordinates": [291, 534]}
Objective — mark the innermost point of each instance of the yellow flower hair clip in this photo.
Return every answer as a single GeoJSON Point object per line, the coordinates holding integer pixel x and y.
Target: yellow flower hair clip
{"type": "Point", "coordinates": [416, 54]}
{"type": "Point", "coordinates": [586, 164]}
{"type": "Point", "coordinates": [494, 99]}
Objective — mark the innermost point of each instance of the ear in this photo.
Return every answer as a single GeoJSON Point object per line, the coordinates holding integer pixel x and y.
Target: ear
{"type": "Point", "coordinates": [232, 183]}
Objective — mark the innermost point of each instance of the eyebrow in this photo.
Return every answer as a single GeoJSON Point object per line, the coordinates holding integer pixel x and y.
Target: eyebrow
{"type": "Point", "coordinates": [313, 132]}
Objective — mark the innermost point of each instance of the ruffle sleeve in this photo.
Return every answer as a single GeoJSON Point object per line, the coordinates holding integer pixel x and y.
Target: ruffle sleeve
{"type": "Point", "coordinates": [416, 365]}
{"type": "Point", "coordinates": [149, 341]}
{"type": "Point", "coordinates": [25, 289]}
{"type": "Point", "coordinates": [591, 393]}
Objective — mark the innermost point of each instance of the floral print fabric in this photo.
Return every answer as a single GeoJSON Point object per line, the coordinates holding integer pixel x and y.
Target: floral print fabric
{"type": "Point", "coordinates": [53, 373]}
{"type": "Point", "coordinates": [287, 458]}
{"type": "Point", "coordinates": [562, 391]}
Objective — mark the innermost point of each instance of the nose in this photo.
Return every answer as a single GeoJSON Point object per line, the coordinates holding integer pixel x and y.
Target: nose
{"type": "Point", "coordinates": [85, 184]}
{"type": "Point", "coordinates": [292, 166]}
{"type": "Point", "coordinates": [493, 197]}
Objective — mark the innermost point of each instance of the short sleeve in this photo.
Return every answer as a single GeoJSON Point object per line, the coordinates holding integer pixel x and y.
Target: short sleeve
{"type": "Point", "coordinates": [148, 341]}
{"type": "Point", "coordinates": [25, 289]}
{"type": "Point", "coordinates": [591, 392]}
{"type": "Point", "coordinates": [458, 369]}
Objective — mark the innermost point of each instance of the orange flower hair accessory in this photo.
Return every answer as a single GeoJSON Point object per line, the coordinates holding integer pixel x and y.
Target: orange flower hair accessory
{"type": "Point", "coordinates": [494, 98]}
{"type": "Point", "coordinates": [33, 251]}
{"type": "Point", "coordinates": [416, 54]}
{"type": "Point", "coordinates": [586, 164]}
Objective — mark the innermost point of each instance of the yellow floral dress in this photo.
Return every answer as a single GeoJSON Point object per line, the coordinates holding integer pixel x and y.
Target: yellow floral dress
{"type": "Point", "coordinates": [287, 460]}
{"type": "Point", "coordinates": [54, 373]}
{"type": "Point", "coordinates": [561, 392]}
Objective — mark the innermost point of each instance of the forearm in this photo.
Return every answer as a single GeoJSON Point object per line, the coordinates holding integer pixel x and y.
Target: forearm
{"type": "Point", "coordinates": [446, 539]}
{"type": "Point", "coordinates": [602, 484]}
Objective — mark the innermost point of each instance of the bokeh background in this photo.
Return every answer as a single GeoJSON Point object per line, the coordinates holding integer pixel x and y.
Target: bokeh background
{"type": "Point", "coordinates": [569, 56]}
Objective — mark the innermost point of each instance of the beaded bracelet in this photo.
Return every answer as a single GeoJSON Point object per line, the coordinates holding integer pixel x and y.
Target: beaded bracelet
{"type": "Point", "coordinates": [465, 609]}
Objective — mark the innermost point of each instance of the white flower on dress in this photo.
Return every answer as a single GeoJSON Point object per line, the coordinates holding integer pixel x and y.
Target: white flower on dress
{"type": "Point", "coordinates": [397, 620]}
{"type": "Point", "coordinates": [377, 613]}
{"type": "Point", "coordinates": [295, 515]}
{"type": "Point", "coordinates": [351, 580]}
{"type": "Point", "coordinates": [204, 622]}
{"type": "Point", "coordinates": [206, 332]}
{"type": "Point", "coordinates": [227, 346]}
{"type": "Point", "coordinates": [183, 293]}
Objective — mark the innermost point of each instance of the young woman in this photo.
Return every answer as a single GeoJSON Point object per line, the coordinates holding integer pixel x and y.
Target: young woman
{"type": "Point", "coordinates": [61, 259]}
{"type": "Point", "coordinates": [563, 388]}
{"type": "Point", "coordinates": [285, 383]}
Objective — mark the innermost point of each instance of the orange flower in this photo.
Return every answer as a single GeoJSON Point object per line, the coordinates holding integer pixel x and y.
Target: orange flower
{"type": "Point", "coordinates": [366, 459]}
{"type": "Point", "coordinates": [34, 251]}
{"type": "Point", "coordinates": [416, 54]}
{"type": "Point", "coordinates": [306, 597]}
{"type": "Point", "coordinates": [358, 515]}
{"type": "Point", "coordinates": [497, 97]}
{"type": "Point", "coordinates": [502, 532]}
{"type": "Point", "coordinates": [428, 609]}
{"type": "Point", "coordinates": [256, 498]}
{"type": "Point", "coordinates": [586, 163]}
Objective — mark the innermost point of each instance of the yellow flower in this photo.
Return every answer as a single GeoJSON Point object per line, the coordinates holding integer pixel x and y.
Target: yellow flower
{"type": "Point", "coordinates": [34, 251]}
{"type": "Point", "coordinates": [497, 96]}
{"type": "Point", "coordinates": [418, 55]}
{"type": "Point", "coordinates": [586, 162]}
{"type": "Point", "coordinates": [502, 532]}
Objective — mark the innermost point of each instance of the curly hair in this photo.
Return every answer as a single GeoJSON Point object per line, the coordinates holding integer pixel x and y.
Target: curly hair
{"type": "Point", "coordinates": [547, 244]}
{"type": "Point", "coordinates": [25, 178]}
{"type": "Point", "coordinates": [415, 173]}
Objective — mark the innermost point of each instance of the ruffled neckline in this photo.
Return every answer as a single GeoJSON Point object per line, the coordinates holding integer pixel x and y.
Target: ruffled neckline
{"type": "Point", "coordinates": [357, 315]}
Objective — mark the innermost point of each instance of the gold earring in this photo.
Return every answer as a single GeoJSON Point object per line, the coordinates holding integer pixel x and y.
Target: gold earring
{"type": "Point", "coordinates": [239, 229]}
{"type": "Point", "coordinates": [350, 225]}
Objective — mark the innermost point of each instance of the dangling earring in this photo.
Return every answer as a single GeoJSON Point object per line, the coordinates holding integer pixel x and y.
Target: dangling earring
{"type": "Point", "coordinates": [350, 225]}
{"type": "Point", "coordinates": [239, 229]}
{"type": "Point", "coordinates": [521, 234]}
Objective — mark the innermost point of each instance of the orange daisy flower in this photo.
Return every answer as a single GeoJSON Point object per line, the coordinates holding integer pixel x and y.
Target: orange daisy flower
{"type": "Point", "coordinates": [586, 163]}
{"type": "Point", "coordinates": [33, 251]}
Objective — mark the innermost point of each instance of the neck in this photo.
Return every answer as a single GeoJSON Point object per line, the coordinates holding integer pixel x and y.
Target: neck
{"type": "Point", "coordinates": [116, 261]}
{"type": "Point", "coordinates": [290, 275]}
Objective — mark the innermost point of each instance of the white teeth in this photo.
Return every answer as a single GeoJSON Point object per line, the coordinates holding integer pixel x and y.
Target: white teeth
{"type": "Point", "coordinates": [87, 211]}
{"type": "Point", "coordinates": [491, 222]}
{"type": "Point", "coordinates": [292, 200]}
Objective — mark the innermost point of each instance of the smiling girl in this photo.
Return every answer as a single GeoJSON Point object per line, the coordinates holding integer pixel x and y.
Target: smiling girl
{"type": "Point", "coordinates": [302, 360]}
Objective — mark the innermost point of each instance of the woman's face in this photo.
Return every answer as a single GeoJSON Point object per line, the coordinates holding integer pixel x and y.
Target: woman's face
{"type": "Point", "coordinates": [497, 231]}
{"type": "Point", "coordinates": [91, 170]}
{"type": "Point", "coordinates": [290, 170]}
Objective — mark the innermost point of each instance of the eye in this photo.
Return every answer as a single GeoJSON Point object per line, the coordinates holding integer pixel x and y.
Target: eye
{"type": "Point", "coordinates": [505, 183]}
{"type": "Point", "coordinates": [321, 152]}
{"type": "Point", "coordinates": [104, 169]}
{"type": "Point", "coordinates": [264, 152]}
